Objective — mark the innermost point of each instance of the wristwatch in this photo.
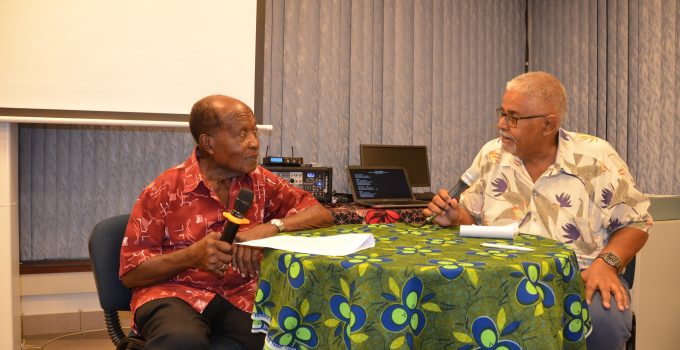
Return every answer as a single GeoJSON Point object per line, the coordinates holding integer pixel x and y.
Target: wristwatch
{"type": "Point", "coordinates": [279, 224]}
{"type": "Point", "coordinates": [612, 260]}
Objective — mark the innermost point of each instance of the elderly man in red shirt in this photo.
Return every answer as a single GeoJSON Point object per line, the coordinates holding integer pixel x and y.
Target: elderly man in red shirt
{"type": "Point", "coordinates": [187, 284]}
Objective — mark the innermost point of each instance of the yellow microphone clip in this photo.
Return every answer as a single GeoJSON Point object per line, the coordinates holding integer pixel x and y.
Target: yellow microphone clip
{"type": "Point", "coordinates": [234, 219]}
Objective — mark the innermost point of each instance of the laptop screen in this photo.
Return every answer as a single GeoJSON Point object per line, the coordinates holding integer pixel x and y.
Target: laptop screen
{"type": "Point", "coordinates": [379, 183]}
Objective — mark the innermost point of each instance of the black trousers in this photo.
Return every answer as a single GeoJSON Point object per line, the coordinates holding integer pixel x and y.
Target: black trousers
{"type": "Point", "coordinates": [172, 324]}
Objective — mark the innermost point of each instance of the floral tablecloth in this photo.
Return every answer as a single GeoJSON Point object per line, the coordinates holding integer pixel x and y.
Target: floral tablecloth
{"type": "Point", "coordinates": [423, 288]}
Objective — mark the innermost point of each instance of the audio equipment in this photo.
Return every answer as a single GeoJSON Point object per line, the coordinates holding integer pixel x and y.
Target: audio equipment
{"type": "Point", "coordinates": [316, 180]}
{"type": "Point", "coordinates": [282, 161]}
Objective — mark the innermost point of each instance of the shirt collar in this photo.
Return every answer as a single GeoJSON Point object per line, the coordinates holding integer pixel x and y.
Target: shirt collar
{"type": "Point", "coordinates": [192, 172]}
{"type": "Point", "coordinates": [565, 154]}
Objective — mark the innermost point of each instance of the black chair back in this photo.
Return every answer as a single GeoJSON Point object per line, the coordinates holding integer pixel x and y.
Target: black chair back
{"type": "Point", "coordinates": [629, 274]}
{"type": "Point", "coordinates": [104, 246]}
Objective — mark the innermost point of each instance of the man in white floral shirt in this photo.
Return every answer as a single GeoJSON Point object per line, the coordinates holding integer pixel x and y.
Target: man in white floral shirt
{"type": "Point", "coordinates": [570, 187]}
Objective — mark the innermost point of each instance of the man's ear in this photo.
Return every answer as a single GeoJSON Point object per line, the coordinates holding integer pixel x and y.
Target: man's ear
{"type": "Point", "coordinates": [550, 124]}
{"type": "Point", "coordinates": [206, 143]}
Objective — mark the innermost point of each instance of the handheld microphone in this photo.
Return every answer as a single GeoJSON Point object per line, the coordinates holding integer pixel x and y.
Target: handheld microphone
{"type": "Point", "coordinates": [468, 178]}
{"type": "Point", "coordinates": [236, 218]}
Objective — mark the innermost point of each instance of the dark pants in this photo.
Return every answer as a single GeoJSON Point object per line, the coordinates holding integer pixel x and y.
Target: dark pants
{"type": "Point", "coordinates": [171, 323]}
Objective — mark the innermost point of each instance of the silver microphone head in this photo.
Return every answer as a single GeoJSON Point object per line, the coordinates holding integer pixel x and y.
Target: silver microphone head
{"type": "Point", "coordinates": [470, 176]}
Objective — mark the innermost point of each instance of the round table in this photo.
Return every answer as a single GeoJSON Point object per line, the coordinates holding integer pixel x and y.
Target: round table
{"type": "Point", "coordinates": [423, 288]}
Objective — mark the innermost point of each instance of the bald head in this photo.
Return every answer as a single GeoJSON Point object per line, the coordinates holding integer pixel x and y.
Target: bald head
{"type": "Point", "coordinates": [543, 86]}
{"type": "Point", "coordinates": [216, 112]}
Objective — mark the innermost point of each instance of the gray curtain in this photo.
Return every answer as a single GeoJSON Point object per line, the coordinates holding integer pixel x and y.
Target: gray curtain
{"type": "Point", "coordinates": [426, 72]}
{"type": "Point", "coordinates": [620, 62]}
{"type": "Point", "coordinates": [71, 177]}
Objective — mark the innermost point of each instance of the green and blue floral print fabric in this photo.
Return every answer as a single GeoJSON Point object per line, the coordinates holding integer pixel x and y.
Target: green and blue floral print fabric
{"type": "Point", "coordinates": [423, 288]}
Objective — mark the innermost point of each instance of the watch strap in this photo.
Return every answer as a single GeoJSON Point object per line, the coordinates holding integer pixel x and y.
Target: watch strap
{"type": "Point", "coordinates": [612, 260]}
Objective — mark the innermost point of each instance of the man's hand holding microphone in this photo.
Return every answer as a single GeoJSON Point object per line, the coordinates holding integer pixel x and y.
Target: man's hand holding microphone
{"type": "Point", "coordinates": [444, 208]}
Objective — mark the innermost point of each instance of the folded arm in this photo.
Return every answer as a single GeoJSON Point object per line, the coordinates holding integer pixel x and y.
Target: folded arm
{"type": "Point", "coordinates": [208, 254]}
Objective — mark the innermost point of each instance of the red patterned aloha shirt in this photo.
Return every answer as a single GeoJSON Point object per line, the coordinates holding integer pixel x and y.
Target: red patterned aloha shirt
{"type": "Point", "coordinates": [178, 209]}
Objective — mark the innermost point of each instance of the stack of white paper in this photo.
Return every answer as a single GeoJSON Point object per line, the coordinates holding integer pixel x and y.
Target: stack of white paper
{"type": "Point", "coordinates": [503, 232]}
{"type": "Point", "coordinates": [337, 245]}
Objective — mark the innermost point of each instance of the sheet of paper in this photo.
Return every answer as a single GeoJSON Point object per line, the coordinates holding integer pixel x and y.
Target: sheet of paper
{"type": "Point", "coordinates": [503, 232]}
{"type": "Point", "coordinates": [337, 245]}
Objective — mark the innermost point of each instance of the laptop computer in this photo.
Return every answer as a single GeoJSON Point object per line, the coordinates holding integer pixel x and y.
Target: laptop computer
{"type": "Point", "coordinates": [382, 187]}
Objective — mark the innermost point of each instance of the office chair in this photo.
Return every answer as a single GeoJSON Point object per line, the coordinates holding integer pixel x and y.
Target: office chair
{"type": "Point", "coordinates": [104, 246]}
{"type": "Point", "coordinates": [629, 276]}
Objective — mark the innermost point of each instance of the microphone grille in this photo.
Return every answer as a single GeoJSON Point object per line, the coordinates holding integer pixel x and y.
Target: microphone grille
{"type": "Point", "coordinates": [470, 176]}
{"type": "Point", "coordinates": [243, 200]}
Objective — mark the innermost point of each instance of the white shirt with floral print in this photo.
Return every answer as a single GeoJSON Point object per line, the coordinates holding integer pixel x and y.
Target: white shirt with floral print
{"type": "Point", "coordinates": [580, 200]}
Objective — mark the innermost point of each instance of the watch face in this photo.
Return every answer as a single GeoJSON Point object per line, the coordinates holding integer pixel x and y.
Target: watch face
{"type": "Point", "coordinates": [278, 223]}
{"type": "Point", "coordinates": [611, 259]}
{"type": "Point", "coordinates": [614, 258]}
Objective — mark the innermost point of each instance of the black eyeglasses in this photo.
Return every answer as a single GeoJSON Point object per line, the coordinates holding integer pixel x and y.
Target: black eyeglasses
{"type": "Point", "coordinates": [512, 119]}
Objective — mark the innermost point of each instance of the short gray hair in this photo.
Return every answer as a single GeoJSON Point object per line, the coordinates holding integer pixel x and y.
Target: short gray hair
{"type": "Point", "coordinates": [541, 85]}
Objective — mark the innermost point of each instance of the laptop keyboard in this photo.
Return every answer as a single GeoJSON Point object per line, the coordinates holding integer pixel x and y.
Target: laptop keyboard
{"type": "Point", "coordinates": [423, 196]}
{"type": "Point", "coordinates": [406, 202]}
{"type": "Point", "coordinates": [396, 203]}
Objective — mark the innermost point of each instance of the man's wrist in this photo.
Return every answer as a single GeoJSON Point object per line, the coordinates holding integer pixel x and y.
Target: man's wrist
{"type": "Point", "coordinates": [191, 257]}
{"type": "Point", "coordinates": [612, 260]}
{"type": "Point", "coordinates": [278, 224]}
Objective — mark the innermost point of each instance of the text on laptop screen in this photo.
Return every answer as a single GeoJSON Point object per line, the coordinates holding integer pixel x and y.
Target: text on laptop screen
{"type": "Point", "coordinates": [380, 183]}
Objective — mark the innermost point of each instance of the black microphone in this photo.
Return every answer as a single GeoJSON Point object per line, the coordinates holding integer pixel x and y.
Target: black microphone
{"type": "Point", "coordinates": [236, 218]}
{"type": "Point", "coordinates": [468, 178]}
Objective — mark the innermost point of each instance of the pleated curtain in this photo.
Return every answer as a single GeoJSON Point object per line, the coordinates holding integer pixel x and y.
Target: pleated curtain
{"type": "Point", "coordinates": [71, 177]}
{"type": "Point", "coordinates": [620, 63]}
{"type": "Point", "coordinates": [342, 73]}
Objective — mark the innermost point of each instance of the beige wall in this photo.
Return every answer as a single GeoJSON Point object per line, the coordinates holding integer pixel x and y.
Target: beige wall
{"type": "Point", "coordinates": [55, 293]}
{"type": "Point", "coordinates": [656, 286]}
{"type": "Point", "coordinates": [10, 329]}
{"type": "Point", "coordinates": [60, 303]}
